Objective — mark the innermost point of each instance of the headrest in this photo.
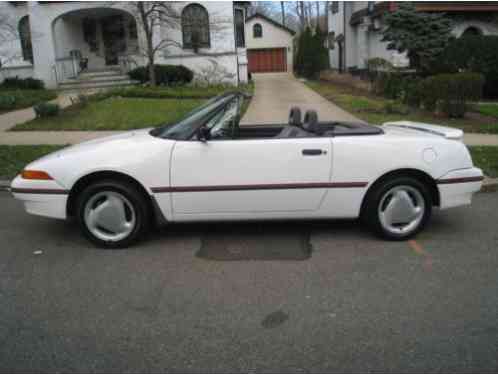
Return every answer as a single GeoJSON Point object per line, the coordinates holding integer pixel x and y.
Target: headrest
{"type": "Point", "coordinates": [311, 121]}
{"type": "Point", "coordinates": [295, 117]}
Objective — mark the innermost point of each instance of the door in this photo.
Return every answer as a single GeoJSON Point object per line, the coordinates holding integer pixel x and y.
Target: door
{"type": "Point", "coordinates": [113, 35]}
{"type": "Point", "coordinates": [267, 60]}
{"type": "Point", "coordinates": [249, 178]}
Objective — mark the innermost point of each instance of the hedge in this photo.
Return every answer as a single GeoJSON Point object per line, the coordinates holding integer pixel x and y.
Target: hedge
{"type": "Point", "coordinates": [166, 75]}
{"type": "Point", "coordinates": [22, 84]}
{"type": "Point", "coordinates": [451, 92]}
{"type": "Point", "coordinates": [475, 54]}
{"type": "Point", "coordinates": [17, 99]}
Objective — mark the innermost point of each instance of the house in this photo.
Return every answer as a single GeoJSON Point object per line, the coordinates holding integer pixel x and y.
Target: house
{"type": "Point", "coordinates": [355, 28]}
{"type": "Point", "coordinates": [270, 46]}
{"type": "Point", "coordinates": [96, 43]}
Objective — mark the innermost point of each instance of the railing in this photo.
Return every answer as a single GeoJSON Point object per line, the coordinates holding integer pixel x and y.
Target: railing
{"type": "Point", "coordinates": [66, 68]}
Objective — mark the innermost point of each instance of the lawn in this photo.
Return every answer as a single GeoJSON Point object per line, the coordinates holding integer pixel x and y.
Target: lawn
{"type": "Point", "coordinates": [372, 109]}
{"type": "Point", "coordinates": [488, 110]}
{"type": "Point", "coordinates": [11, 100]}
{"type": "Point", "coordinates": [115, 113]}
{"type": "Point", "coordinates": [14, 158]}
{"type": "Point", "coordinates": [486, 158]}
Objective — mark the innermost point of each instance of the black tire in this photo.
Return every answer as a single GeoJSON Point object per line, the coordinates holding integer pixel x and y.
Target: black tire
{"type": "Point", "coordinates": [370, 215]}
{"type": "Point", "coordinates": [134, 196]}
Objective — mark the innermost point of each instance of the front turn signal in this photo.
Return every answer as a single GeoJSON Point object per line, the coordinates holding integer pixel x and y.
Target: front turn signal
{"type": "Point", "coordinates": [35, 175]}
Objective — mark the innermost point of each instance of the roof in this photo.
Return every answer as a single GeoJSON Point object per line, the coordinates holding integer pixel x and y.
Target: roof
{"type": "Point", "coordinates": [382, 7]}
{"type": "Point", "coordinates": [273, 22]}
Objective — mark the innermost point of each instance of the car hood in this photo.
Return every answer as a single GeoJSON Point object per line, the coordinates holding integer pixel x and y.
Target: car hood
{"type": "Point", "coordinates": [130, 153]}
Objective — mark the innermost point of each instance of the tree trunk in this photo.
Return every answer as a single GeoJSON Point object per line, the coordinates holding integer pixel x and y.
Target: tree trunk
{"type": "Point", "coordinates": [148, 30]}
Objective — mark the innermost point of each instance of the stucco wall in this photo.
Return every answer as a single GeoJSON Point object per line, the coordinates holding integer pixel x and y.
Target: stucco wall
{"type": "Point", "coordinates": [273, 37]}
{"type": "Point", "coordinates": [52, 37]}
{"type": "Point", "coordinates": [222, 43]}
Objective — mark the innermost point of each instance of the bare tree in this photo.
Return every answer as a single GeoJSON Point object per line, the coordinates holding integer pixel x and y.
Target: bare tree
{"type": "Point", "coordinates": [151, 16]}
{"type": "Point", "coordinates": [8, 34]}
{"type": "Point", "coordinates": [156, 18]}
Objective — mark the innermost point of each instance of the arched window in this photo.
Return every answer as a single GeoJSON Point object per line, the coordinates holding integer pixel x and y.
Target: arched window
{"type": "Point", "coordinates": [472, 31]}
{"type": "Point", "coordinates": [257, 31]}
{"type": "Point", "coordinates": [195, 27]}
{"type": "Point", "coordinates": [25, 38]}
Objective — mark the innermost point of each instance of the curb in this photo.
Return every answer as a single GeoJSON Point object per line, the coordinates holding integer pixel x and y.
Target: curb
{"type": "Point", "coordinates": [4, 185]}
{"type": "Point", "coordinates": [489, 185]}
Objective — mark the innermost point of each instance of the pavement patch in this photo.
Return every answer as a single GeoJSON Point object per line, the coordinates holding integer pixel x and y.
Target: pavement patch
{"type": "Point", "coordinates": [275, 319]}
{"type": "Point", "coordinates": [259, 241]}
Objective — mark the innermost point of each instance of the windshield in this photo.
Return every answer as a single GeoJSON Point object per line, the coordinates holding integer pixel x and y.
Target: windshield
{"type": "Point", "coordinates": [184, 129]}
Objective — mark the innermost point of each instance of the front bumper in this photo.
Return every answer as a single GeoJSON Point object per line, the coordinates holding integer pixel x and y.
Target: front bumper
{"type": "Point", "coordinates": [44, 198]}
{"type": "Point", "coordinates": [456, 187]}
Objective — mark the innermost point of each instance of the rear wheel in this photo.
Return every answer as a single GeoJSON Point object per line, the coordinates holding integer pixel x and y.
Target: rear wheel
{"type": "Point", "coordinates": [399, 208]}
{"type": "Point", "coordinates": [112, 214]}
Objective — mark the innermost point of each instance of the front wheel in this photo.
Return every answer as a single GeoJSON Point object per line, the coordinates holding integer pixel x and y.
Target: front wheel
{"type": "Point", "coordinates": [399, 208]}
{"type": "Point", "coordinates": [112, 214]}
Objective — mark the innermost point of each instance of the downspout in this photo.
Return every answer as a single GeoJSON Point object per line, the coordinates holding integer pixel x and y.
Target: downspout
{"type": "Point", "coordinates": [344, 33]}
{"type": "Point", "coordinates": [235, 43]}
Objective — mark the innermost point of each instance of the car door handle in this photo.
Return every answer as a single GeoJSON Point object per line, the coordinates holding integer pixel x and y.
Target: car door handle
{"type": "Point", "coordinates": [313, 152]}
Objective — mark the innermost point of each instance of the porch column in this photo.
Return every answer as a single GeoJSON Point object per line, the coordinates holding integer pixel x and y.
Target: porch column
{"type": "Point", "coordinates": [42, 40]}
{"type": "Point", "coordinates": [363, 50]}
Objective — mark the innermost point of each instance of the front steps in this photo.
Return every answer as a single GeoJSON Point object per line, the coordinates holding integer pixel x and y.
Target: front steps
{"type": "Point", "coordinates": [97, 79]}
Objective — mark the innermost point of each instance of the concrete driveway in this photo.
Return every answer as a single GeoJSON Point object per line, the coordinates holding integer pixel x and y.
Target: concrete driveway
{"type": "Point", "coordinates": [276, 93]}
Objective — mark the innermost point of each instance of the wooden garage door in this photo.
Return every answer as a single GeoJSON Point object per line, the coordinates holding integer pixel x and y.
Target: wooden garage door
{"type": "Point", "coordinates": [267, 60]}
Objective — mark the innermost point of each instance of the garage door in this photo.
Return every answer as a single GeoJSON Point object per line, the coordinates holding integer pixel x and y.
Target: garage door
{"type": "Point", "coordinates": [267, 60]}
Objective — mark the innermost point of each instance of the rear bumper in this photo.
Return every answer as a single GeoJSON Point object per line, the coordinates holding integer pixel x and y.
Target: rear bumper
{"type": "Point", "coordinates": [43, 198]}
{"type": "Point", "coordinates": [456, 187]}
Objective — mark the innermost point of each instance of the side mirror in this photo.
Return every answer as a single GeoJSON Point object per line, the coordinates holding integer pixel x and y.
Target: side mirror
{"type": "Point", "coordinates": [203, 134]}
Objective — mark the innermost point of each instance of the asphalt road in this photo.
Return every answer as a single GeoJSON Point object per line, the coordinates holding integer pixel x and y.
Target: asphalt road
{"type": "Point", "coordinates": [357, 305]}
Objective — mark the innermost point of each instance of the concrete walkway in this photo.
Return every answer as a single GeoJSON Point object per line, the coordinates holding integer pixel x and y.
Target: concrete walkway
{"type": "Point", "coordinates": [474, 139]}
{"type": "Point", "coordinates": [276, 93]}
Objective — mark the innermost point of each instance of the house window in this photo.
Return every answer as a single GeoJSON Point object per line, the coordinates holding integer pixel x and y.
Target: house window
{"type": "Point", "coordinates": [195, 27]}
{"type": "Point", "coordinates": [335, 7]}
{"type": "Point", "coordinates": [240, 41]}
{"type": "Point", "coordinates": [257, 31]}
{"type": "Point", "coordinates": [25, 38]}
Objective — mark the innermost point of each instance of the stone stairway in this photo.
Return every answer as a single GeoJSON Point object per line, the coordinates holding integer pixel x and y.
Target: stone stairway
{"type": "Point", "coordinates": [97, 79]}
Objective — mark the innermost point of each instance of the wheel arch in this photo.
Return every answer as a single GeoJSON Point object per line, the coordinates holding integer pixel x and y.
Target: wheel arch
{"type": "Point", "coordinates": [90, 178]}
{"type": "Point", "coordinates": [418, 174]}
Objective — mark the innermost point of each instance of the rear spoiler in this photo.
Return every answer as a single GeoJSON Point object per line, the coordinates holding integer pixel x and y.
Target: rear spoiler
{"type": "Point", "coordinates": [442, 131]}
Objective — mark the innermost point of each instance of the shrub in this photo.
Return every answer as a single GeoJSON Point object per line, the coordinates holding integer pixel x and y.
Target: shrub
{"type": "Point", "coordinates": [46, 110]}
{"type": "Point", "coordinates": [311, 56]}
{"type": "Point", "coordinates": [7, 102]}
{"type": "Point", "coordinates": [394, 107]}
{"type": "Point", "coordinates": [22, 83]}
{"type": "Point", "coordinates": [399, 86]}
{"type": "Point", "coordinates": [166, 75]}
{"type": "Point", "coordinates": [472, 54]}
{"type": "Point", "coordinates": [452, 92]}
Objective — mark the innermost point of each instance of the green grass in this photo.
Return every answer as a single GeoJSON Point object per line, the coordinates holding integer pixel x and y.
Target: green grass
{"type": "Point", "coordinates": [14, 158]}
{"type": "Point", "coordinates": [371, 109]}
{"type": "Point", "coordinates": [115, 114]}
{"type": "Point", "coordinates": [23, 98]}
{"type": "Point", "coordinates": [486, 158]}
{"type": "Point", "coordinates": [488, 109]}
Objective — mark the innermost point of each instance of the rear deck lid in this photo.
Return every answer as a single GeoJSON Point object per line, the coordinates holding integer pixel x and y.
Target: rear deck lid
{"type": "Point", "coordinates": [442, 131]}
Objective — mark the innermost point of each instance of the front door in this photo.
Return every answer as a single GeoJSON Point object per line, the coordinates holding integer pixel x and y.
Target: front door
{"type": "Point", "coordinates": [113, 35]}
{"type": "Point", "coordinates": [249, 178]}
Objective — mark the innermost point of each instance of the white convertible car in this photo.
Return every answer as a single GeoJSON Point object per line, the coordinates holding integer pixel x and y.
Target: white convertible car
{"type": "Point", "coordinates": [206, 167]}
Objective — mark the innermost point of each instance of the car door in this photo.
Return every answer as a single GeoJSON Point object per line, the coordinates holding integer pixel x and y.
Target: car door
{"type": "Point", "coordinates": [249, 178]}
